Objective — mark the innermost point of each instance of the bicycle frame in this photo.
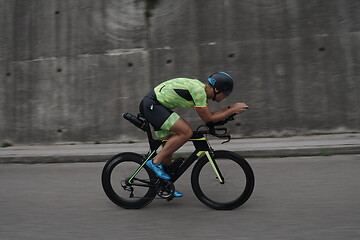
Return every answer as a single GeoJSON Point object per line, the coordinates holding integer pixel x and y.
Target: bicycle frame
{"type": "Point", "coordinates": [201, 147]}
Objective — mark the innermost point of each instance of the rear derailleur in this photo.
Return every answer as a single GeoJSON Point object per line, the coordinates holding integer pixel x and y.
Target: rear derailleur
{"type": "Point", "coordinates": [126, 187]}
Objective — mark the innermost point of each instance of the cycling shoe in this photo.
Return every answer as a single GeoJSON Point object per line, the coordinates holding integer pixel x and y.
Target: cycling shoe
{"type": "Point", "coordinates": [178, 194]}
{"type": "Point", "coordinates": [158, 170]}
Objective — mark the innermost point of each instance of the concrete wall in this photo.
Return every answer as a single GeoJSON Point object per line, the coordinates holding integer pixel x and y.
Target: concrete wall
{"type": "Point", "coordinates": [69, 68]}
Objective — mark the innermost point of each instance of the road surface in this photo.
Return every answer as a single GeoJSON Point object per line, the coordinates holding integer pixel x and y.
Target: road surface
{"type": "Point", "coordinates": [294, 198]}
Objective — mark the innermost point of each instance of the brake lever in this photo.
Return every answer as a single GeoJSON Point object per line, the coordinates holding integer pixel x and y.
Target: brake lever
{"type": "Point", "coordinates": [224, 135]}
{"type": "Point", "coordinates": [228, 140]}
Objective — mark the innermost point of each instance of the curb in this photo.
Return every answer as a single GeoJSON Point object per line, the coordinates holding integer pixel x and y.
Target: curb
{"type": "Point", "coordinates": [299, 152]}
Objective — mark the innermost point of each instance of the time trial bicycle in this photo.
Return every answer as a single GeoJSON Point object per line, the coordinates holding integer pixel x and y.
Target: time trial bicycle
{"type": "Point", "coordinates": [221, 180]}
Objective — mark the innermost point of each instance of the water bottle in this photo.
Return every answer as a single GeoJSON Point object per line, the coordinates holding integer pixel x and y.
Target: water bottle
{"type": "Point", "coordinates": [136, 121]}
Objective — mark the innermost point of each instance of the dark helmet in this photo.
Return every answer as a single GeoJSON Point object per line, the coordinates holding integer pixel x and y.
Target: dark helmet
{"type": "Point", "coordinates": [222, 82]}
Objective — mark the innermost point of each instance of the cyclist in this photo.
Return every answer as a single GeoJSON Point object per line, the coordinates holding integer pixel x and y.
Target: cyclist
{"type": "Point", "coordinates": [157, 105]}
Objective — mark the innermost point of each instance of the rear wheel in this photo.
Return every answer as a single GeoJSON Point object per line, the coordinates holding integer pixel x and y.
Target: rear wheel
{"type": "Point", "coordinates": [238, 181]}
{"type": "Point", "coordinates": [115, 176]}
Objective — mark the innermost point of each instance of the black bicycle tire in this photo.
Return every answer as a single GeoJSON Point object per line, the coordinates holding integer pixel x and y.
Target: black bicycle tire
{"type": "Point", "coordinates": [108, 188]}
{"type": "Point", "coordinates": [249, 186]}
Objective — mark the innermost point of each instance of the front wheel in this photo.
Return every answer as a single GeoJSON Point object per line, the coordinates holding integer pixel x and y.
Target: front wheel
{"type": "Point", "coordinates": [115, 175]}
{"type": "Point", "coordinates": [237, 186]}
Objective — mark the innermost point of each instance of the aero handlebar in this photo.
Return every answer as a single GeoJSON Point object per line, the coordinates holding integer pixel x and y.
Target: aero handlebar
{"type": "Point", "coordinates": [213, 130]}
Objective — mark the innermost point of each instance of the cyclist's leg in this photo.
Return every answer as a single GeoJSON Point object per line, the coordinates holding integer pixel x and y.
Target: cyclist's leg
{"type": "Point", "coordinates": [183, 133]}
{"type": "Point", "coordinates": [157, 115]}
{"type": "Point", "coordinates": [167, 161]}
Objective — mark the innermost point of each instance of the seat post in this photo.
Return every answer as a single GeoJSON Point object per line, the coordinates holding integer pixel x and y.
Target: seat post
{"type": "Point", "coordinates": [153, 143]}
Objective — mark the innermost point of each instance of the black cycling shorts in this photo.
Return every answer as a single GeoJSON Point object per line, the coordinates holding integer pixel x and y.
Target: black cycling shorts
{"type": "Point", "coordinates": [159, 116]}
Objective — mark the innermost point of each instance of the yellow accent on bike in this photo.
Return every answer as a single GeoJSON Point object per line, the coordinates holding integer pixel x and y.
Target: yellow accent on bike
{"type": "Point", "coordinates": [191, 139]}
{"type": "Point", "coordinates": [197, 139]}
{"type": "Point", "coordinates": [200, 153]}
{"type": "Point", "coordinates": [142, 165]}
{"type": "Point", "coordinates": [213, 166]}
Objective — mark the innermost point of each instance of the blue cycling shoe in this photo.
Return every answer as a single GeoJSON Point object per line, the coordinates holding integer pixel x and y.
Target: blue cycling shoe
{"type": "Point", "coordinates": [158, 170]}
{"type": "Point", "coordinates": [178, 194]}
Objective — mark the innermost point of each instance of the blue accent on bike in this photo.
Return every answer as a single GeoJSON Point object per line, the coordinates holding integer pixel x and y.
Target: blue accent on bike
{"type": "Point", "coordinates": [158, 170]}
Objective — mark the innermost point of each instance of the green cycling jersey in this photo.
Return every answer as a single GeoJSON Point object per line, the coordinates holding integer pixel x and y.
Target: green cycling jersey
{"type": "Point", "coordinates": [181, 92]}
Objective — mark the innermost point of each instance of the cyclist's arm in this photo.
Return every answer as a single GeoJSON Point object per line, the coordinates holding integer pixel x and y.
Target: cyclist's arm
{"type": "Point", "coordinates": [207, 116]}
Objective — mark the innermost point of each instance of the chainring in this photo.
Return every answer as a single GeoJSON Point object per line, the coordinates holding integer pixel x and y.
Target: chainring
{"type": "Point", "coordinates": [165, 189]}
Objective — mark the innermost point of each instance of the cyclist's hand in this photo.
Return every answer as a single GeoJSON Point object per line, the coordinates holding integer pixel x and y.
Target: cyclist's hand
{"type": "Point", "coordinates": [239, 107]}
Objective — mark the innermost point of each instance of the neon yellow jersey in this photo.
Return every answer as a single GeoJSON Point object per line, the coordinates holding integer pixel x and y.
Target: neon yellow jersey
{"type": "Point", "coordinates": [181, 92]}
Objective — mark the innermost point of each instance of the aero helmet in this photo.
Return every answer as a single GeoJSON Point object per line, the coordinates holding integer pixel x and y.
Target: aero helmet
{"type": "Point", "coordinates": [222, 81]}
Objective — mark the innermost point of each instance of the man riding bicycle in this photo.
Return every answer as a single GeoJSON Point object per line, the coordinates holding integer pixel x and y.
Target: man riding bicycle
{"type": "Point", "coordinates": [157, 105]}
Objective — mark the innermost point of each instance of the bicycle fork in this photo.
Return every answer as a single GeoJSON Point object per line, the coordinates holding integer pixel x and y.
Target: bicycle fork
{"type": "Point", "coordinates": [214, 166]}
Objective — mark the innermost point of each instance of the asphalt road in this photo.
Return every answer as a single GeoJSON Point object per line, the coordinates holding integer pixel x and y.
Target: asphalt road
{"type": "Point", "coordinates": [294, 198]}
